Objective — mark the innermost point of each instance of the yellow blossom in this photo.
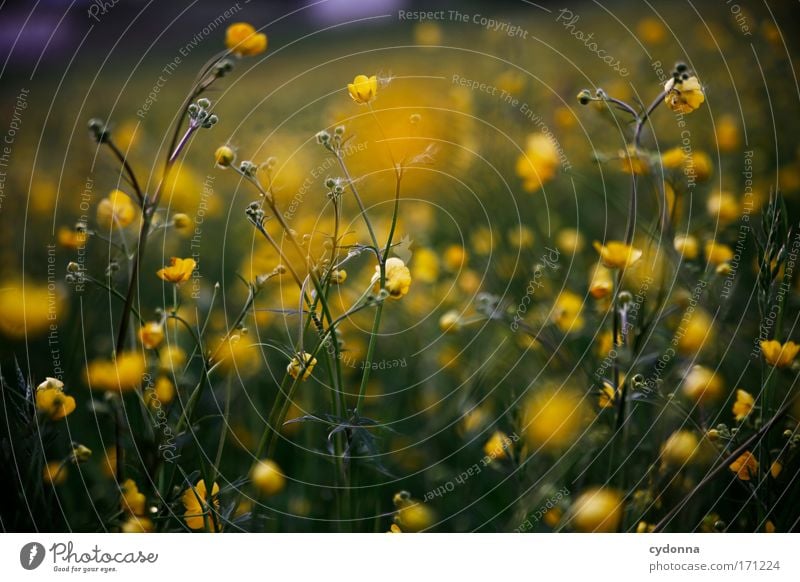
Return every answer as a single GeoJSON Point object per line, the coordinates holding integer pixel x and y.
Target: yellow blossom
{"type": "Point", "coordinates": [651, 30]}
{"type": "Point", "coordinates": [178, 271]}
{"type": "Point", "coordinates": [687, 246]}
{"type": "Point", "coordinates": [363, 89]}
{"type": "Point", "coordinates": [133, 502]}
{"type": "Point", "coordinates": [538, 163]}
{"type": "Point", "coordinates": [684, 95]}
{"type": "Point", "coordinates": [521, 237]}
{"type": "Point", "coordinates": [745, 467]}
{"type": "Point", "coordinates": [617, 255]}
{"type": "Point", "coordinates": [412, 515]}
{"type": "Point", "coordinates": [304, 369]}
{"type": "Point", "coordinates": [728, 135]}
{"type": "Point", "coordinates": [718, 253]}
{"type": "Point", "coordinates": [242, 39]}
{"type": "Point", "coordinates": [171, 358]}
{"type": "Point", "coordinates": [196, 504]}
{"type": "Point", "coordinates": [775, 469]}
{"type": "Point", "coordinates": [601, 283]}
{"type": "Point", "coordinates": [116, 210]}
{"type": "Point", "coordinates": [123, 373]}
{"type": "Point", "coordinates": [597, 510]}
{"type": "Point", "coordinates": [162, 393]}
{"type": "Point", "coordinates": [54, 473]}
{"type": "Point", "coordinates": [398, 277]}
{"type": "Point", "coordinates": [499, 446]}
{"type": "Point", "coordinates": [569, 241]}
{"type": "Point", "coordinates": [26, 309]}
{"type": "Point", "coordinates": [696, 332]}
{"type": "Point", "coordinates": [426, 265]}
{"type": "Point", "coordinates": [633, 162]}
{"type": "Point", "coordinates": [680, 448]}
{"type": "Point", "coordinates": [51, 400]}
{"type": "Point", "coordinates": [181, 222]}
{"type": "Point", "coordinates": [779, 355]}
{"type": "Point", "coordinates": [71, 238]}
{"type": "Point", "coordinates": [607, 397]}
{"type": "Point", "coordinates": [567, 312]}
{"type": "Point", "coordinates": [224, 156]}
{"type": "Point", "coordinates": [338, 276]}
{"type": "Point", "coordinates": [644, 527]}
{"type": "Point", "coordinates": [723, 206]}
{"type": "Point", "coordinates": [137, 524]}
{"type": "Point", "coordinates": [450, 322]}
{"type": "Point", "coordinates": [553, 418]}
{"type": "Point", "coordinates": [702, 385]}
{"type": "Point", "coordinates": [151, 334]}
{"type": "Point", "coordinates": [267, 477]}
{"type": "Point", "coordinates": [743, 405]}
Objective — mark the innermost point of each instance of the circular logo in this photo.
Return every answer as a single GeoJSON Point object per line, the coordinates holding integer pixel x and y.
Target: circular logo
{"type": "Point", "coordinates": [31, 555]}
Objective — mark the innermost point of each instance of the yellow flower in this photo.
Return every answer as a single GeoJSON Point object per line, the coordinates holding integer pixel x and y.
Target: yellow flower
{"type": "Point", "coordinates": [123, 373]}
{"type": "Point", "coordinates": [521, 237]}
{"type": "Point", "coordinates": [602, 282]}
{"type": "Point", "coordinates": [26, 309]}
{"type": "Point", "coordinates": [743, 405]}
{"type": "Point", "coordinates": [651, 30]}
{"type": "Point", "coordinates": [570, 241]}
{"type": "Point", "coordinates": [684, 95]}
{"type": "Point", "coordinates": [631, 162]}
{"type": "Point", "coordinates": [450, 322]}
{"type": "Point", "coordinates": [718, 253]}
{"type": "Point", "coordinates": [70, 238]}
{"type": "Point", "coordinates": [363, 89]}
{"type": "Point", "coordinates": [644, 527]}
{"type": "Point", "coordinates": [728, 137]}
{"type": "Point", "coordinates": [597, 510]}
{"type": "Point", "coordinates": [426, 265]}
{"type": "Point", "coordinates": [338, 276]}
{"type": "Point", "coordinates": [455, 257]}
{"type": "Point", "coordinates": [702, 385]}
{"type": "Point", "coordinates": [242, 39]}
{"type": "Point", "coordinates": [680, 448]}
{"type": "Point", "coordinates": [133, 502]}
{"type": "Point", "coordinates": [237, 353]}
{"type": "Point", "coordinates": [553, 418]}
{"type": "Point", "coordinates": [775, 469]}
{"type": "Point", "coordinates": [181, 222]}
{"type": "Point", "coordinates": [617, 255]}
{"type": "Point", "coordinates": [196, 504]}
{"type": "Point", "coordinates": [427, 34]}
{"type": "Point", "coordinates": [161, 394]}
{"type": "Point", "coordinates": [136, 524]}
{"type": "Point", "coordinates": [723, 206]}
{"type": "Point", "coordinates": [608, 396]}
{"type": "Point", "coordinates": [51, 400]}
{"type": "Point", "coordinates": [171, 358]}
{"type": "Point", "coordinates": [398, 277]}
{"type": "Point", "coordinates": [745, 467]}
{"type": "Point", "coordinates": [697, 331]}
{"type": "Point", "coordinates": [304, 369]}
{"type": "Point", "coordinates": [267, 477]}
{"type": "Point", "coordinates": [151, 334]}
{"type": "Point", "coordinates": [538, 163]}
{"type": "Point", "coordinates": [395, 529]}
{"type": "Point", "coordinates": [178, 271]}
{"type": "Point", "coordinates": [498, 446]}
{"type": "Point", "coordinates": [567, 312]}
{"type": "Point", "coordinates": [224, 156]}
{"type": "Point", "coordinates": [54, 473]}
{"type": "Point", "coordinates": [779, 355]}
{"type": "Point", "coordinates": [687, 246]}
{"type": "Point", "coordinates": [412, 515]}
{"type": "Point", "coordinates": [116, 210]}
